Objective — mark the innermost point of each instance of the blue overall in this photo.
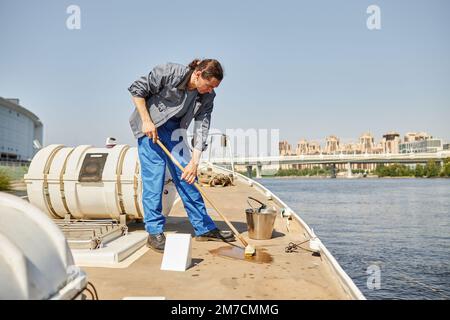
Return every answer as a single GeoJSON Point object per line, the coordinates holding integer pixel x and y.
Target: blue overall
{"type": "Point", "coordinates": [153, 168]}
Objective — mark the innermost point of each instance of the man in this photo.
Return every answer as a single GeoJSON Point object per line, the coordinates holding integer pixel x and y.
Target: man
{"type": "Point", "coordinates": [167, 100]}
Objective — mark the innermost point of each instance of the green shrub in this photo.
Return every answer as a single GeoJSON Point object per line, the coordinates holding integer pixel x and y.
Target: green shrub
{"type": "Point", "coordinates": [432, 169]}
{"type": "Point", "coordinates": [316, 171]}
{"type": "Point", "coordinates": [4, 180]}
{"type": "Point", "coordinates": [394, 170]}
{"type": "Point", "coordinates": [419, 172]}
{"type": "Point", "coordinates": [446, 168]}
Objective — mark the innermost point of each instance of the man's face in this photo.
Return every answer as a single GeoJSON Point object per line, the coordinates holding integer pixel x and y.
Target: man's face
{"type": "Point", "coordinates": [206, 85]}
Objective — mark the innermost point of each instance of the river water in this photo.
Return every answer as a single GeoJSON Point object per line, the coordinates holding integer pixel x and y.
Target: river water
{"type": "Point", "coordinates": [391, 236]}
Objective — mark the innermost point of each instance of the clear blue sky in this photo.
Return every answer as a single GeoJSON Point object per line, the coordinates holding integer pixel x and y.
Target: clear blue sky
{"type": "Point", "coordinates": [309, 68]}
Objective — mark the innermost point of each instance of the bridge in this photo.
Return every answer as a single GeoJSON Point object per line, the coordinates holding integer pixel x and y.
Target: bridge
{"type": "Point", "coordinates": [332, 159]}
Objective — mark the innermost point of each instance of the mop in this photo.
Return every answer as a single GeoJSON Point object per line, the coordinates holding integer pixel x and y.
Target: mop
{"type": "Point", "coordinates": [249, 249]}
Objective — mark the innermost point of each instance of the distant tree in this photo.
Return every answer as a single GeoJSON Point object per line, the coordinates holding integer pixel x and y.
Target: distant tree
{"type": "Point", "coordinates": [394, 170]}
{"type": "Point", "coordinates": [419, 172]}
{"type": "Point", "coordinates": [432, 169]}
{"type": "Point", "coordinates": [446, 168]}
{"type": "Point", "coordinates": [379, 170]}
{"type": "Point", "coordinates": [304, 172]}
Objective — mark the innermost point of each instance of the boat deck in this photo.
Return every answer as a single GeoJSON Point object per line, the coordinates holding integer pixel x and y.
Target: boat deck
{"type": "Point", "coordinates": [297, 275]}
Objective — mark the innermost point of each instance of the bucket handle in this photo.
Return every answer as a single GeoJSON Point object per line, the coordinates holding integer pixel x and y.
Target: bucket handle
{"type": "Point", "coordinates": [263, 206]}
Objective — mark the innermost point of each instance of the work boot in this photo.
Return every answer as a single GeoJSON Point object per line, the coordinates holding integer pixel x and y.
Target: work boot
{"type": "Point", "coordinates": [216, 235]}
{"type": "Point", "coordinates": [156, 242]}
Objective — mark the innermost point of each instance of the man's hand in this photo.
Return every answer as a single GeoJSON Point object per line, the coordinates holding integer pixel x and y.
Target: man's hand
{"type": "Point", "coordinates": [149, 129]}
{"type": "Point", "coordinates": [190, 172]}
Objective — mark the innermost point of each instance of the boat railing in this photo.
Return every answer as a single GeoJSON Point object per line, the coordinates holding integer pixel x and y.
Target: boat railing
{"type": "Point", "coordinates": [224, 142]}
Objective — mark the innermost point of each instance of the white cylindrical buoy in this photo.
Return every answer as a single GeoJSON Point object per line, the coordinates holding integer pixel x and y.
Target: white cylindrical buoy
{"type": "Point", "coordinates": [90, 183]}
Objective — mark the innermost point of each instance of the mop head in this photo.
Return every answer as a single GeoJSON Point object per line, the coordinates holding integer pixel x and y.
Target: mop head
{"type": "Point", "coordinates": [249, 251]}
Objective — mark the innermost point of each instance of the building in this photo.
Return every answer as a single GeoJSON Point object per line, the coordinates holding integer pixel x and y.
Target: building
{"type": "Point", "coordinates": [302, 147]}
{"type": "Point", "coordinates": [332, 145]}
{"type": "Point", "coordinates": [378, 149]}
{"type": "Point", "coordinates": [416, 136]}
{"type": "Point", "coordinates": [390, 142]}
{"type": "Point", "coordinates": [421, 146]}
{"type": "Point", "coordinates": [21, 131]}
{"type": "Point", "coordinates": [285, 148]}
{"type": "Point", "coordinates": [366, 142]}
{"type": "Point", "coordinates": [314, 148]}
{"type": "Point", "coordinates": [350, 148]}
{"type": "Point", "coordinates": [307, 148]}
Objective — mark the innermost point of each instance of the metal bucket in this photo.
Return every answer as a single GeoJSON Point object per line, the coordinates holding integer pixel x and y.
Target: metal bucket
{"type": "Point", "coordinates": [260, 221]}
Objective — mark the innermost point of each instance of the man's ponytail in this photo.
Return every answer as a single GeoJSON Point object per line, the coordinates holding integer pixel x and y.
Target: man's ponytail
{"type": "Point", "coordinates": [194, 64]}
{"type": "Point", "coordinates": [210, 68]}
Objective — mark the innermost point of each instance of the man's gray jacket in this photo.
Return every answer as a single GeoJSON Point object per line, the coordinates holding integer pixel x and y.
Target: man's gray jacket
{"type": "Point", "coordinates": [164, 90]}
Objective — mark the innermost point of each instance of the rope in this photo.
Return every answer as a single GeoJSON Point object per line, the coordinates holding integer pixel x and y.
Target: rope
{"type": "Point", "coordinates": [218, 179]}
{"type": "Point", "coordinates": [293, 247]}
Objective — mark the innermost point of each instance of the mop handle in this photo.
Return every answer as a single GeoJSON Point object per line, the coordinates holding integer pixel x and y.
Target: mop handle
{"type": "Point", "coordinates": [175, 161]}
